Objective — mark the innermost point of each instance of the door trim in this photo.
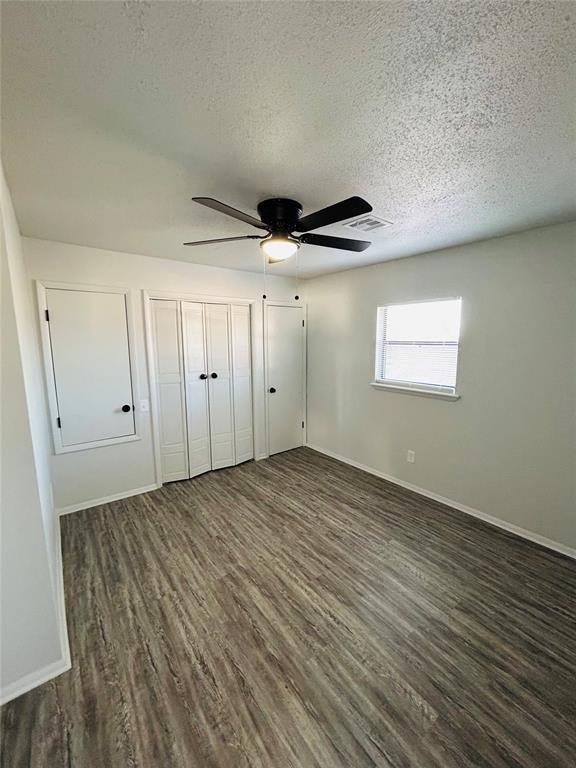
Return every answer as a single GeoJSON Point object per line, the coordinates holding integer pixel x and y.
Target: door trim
{"type": "Point", "coordinates": [255, 333]}
{"type": "Point", "coordinates": [46, 349]}
{"type": "Point", "coordinates": [298, 305]}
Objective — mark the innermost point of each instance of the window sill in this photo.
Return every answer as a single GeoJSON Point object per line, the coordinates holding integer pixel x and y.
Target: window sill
{"type": "Point", "coordinates": [416, 391]}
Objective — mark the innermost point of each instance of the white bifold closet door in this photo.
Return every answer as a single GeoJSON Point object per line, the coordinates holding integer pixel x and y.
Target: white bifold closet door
{"type": "Point", "coordinates": [220, 385]}
{"type": "Point", "coordinates": [197, 415]}
{"type": "Point", "coordinates": [166, 328]}
{"type": "Point", "coordinates": [215, 359]}
{"type": "Point", "coordinates": [242, 381]}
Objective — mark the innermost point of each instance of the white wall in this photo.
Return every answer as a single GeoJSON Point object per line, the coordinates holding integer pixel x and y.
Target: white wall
{"type": "Point", "coordinates": [508, 447]}
{"type": "Point", "coordinates": [85, 476]}
{"type": "Point", "coordinates": [32, 635]}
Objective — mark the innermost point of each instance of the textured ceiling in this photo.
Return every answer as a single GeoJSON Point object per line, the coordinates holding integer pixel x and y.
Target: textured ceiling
{"type": "Point", "coordinates": [454, 119]}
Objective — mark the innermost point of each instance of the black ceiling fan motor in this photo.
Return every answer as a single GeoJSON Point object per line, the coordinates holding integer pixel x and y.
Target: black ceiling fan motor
{"type": "Point", "coordinates": [280, 214]}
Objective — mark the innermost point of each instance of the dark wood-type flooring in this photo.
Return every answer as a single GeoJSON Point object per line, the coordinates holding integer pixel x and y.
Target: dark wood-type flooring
{"type": "Point", "coordinates": [299, 612]}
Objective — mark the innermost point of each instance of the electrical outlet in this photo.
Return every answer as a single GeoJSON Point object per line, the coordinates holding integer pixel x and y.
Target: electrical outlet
{"type": "Point", "coordinates": [410, 457]}
{"type": "Point", "coordinates": [144, 406]}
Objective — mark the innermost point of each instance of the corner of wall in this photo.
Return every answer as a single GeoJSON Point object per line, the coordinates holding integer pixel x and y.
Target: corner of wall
{"type": "Point", "coordinates": [34, 637]}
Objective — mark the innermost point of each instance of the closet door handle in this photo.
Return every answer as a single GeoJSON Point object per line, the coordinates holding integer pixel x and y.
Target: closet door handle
{"type": "Point", "coordinates": [126, 408]}
{"type": "Point", "coordinates": [213, 375]}
{"type": "Point", "coordinates": [272, 390]}
{"type": "Point", "coordinates": [203, 375]}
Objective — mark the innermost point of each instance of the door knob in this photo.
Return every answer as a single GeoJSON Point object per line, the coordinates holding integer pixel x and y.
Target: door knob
{"type": "Point", "coordinates": [126, 408]}
{"type": "Point", "coordinates": [203, 375]}
{"type": "Point", "coordinates": [214, 375]}
{"type": "Point", "coordinates": [272, 390]}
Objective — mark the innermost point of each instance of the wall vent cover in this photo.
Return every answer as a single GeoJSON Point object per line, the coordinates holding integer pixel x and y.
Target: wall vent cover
{"type": "Point", "coordinates": [368, 223]}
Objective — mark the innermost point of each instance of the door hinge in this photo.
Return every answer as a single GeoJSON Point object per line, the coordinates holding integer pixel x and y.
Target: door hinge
{"type": "Point", "coordinates": [302, 425]}
{"type": "Point", "coordinates": [59, 423]}
{"type": "Point", "coordinates": [302, 323]}
{"type": "Point", "coordinates": [47, 315]}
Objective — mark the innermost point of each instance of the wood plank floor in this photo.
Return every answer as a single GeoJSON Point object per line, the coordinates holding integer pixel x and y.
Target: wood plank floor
{"type": "Point", "coordinates": [299, 612]}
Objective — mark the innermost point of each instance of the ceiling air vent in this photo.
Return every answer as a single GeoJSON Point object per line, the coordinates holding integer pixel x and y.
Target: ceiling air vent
{"type": "Point", "coordinates": [368, 223]}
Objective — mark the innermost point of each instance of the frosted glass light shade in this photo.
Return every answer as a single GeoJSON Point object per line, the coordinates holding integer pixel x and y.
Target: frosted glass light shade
{"type": "Point", "coordinates": [279, 247]}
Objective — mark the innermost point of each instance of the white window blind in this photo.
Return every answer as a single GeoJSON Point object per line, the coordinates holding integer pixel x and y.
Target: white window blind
{"type": "Point", "coordinates": [417, 344]}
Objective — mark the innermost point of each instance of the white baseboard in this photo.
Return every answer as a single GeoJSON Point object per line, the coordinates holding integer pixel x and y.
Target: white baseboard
{"type": "Point", "coordinates": [496, 521]}
{"type": "Point", "coordinates": [106, 499]}
{"type": "Point", "coordinates": [60, 598]}
{"type": "Point", "coordinates": [34, 679]}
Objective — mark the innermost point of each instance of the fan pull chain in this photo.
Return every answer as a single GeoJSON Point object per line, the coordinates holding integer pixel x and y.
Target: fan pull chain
{"type": "Point", "coordinates": [297, 270]}
{"type": "Point", "coordinates": [264, 274]}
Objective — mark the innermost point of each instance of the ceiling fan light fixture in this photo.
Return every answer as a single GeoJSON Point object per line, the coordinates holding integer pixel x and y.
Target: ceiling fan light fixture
{"type": "Point", "coordinates": [279, 247]}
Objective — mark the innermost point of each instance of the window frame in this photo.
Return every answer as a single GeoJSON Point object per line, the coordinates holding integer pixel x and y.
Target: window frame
{"type": "Point", "coordinates": [406, 387]}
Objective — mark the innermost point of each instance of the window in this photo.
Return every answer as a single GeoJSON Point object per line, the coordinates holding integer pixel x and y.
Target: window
{"type": "Point", "coordinates": [417, 346]}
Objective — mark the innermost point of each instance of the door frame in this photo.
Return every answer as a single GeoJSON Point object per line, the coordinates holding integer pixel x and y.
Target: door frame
{"type": "Point", "coordinates": [298, 305]}
{"type": "Point", "coordinates": [147, 297]}
{"type": "Point", "coordinates": [46, 348]}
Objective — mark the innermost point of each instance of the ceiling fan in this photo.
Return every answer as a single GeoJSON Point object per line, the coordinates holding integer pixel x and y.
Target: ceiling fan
{"type": "Point", "coordinates": [281, 218]}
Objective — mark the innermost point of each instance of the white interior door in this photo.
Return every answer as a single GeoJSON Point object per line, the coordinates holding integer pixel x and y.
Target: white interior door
{"type": "Point", "coordinates": [242, 382]}
{"type": "Point", "coordinates": [219, 385]}
{"type": "Point", "coordinates": [170, 386]}
{"type": "Point", "coordinates": [91, 363]}
{"type": "Point", "coordinates": [284, 377]}
{"type": "Point", "coordinates": [195, 367]}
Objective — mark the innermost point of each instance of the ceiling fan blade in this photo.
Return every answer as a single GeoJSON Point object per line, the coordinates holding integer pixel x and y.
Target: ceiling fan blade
{"type": "Point", "coordinates": [345, 209]}
{"type": "Point", "coordinates": [224, 240]}
{"type": "Point", "coordinates": [216, 205]}
{"type": "Point", "coordinates": [335, 242]}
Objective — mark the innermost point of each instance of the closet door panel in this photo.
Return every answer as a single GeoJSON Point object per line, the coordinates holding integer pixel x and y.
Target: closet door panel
{"type": "Point", "coordinates": [170, 383]}
{"type": "Point", "coordinates": [198, 424]}
{"type": "Point", "coordinates": [220, 385]}
{"type": "Point", "coordinates": [91, 365]}
{"type": "Point", "coordinates": [242, 382]}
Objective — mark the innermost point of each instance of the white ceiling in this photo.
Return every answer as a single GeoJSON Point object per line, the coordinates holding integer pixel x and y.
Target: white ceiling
{"type": "Point", "coordinates": [454, 119]}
